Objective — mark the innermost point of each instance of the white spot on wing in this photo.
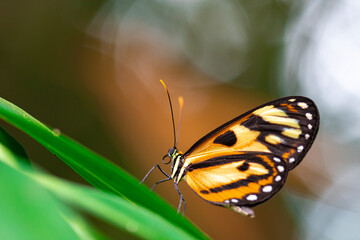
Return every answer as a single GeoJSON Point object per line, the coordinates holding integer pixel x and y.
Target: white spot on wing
{"type": "Point", "coordinates": [276, 159]}
{"type": "Point", "coordinates": [251, 197]}
{"type": "Point", "coordinates": [277, 178]}
{"type": "Point", "coordinates": [234, 200]}
{"type": "Point", "coordinates": [292, 100]}
{"type": "Point", "coordinates": [307, 136]}
{"type": "Point", "coordinates": [227, 201]}
{"type": "Point", "coordinates": [310, 126]}
{"type": "Point", "coordinates": [300, 148]}
{"type": "Point", "coordinates": [291, 160]}
{"type": "Point", "coordinates": [309, 116]}
{"type": "Point", "coordinates": [303, 105]}
{"type": "Point", "coordinates": [280, 168]}
{"type": "Point", "coordinates": [267, 188]}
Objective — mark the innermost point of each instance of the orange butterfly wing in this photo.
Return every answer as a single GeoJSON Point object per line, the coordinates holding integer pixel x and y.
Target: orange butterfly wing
{"type": "Point", "coordinates": [244, 179]}
{"type": "Point", "coordinates": [268, 141]}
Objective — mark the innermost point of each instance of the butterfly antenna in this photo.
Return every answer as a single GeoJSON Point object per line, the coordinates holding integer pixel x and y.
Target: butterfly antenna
{"type": "Point", "coordinates": [181, 104]}
{"type": "Point", "coordinates": [172, 113]}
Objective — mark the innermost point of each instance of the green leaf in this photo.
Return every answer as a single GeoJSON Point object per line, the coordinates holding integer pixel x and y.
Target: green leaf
{"type": "Point", "coordinates": [13, 154]}
{"type": "Point", "coordinates": [126, 215]}
{"type": "Point", "coordinates": [95, 169]}
{"type": "Point", "coordinates": [28, 211]}
{"type": "Point", "coordinates": [80, 226]}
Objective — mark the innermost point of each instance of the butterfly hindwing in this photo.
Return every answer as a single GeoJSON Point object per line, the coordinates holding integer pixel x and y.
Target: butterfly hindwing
{"type": "Point", "coordinates": [242, 179]}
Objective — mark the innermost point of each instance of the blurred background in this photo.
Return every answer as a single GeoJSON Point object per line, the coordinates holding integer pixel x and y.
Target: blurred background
{"type": "Point", "coordinates": [92, 70]}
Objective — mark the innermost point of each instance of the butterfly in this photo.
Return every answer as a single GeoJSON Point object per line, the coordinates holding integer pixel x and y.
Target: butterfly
{"type": "Point", "coordinates": [245, 161]}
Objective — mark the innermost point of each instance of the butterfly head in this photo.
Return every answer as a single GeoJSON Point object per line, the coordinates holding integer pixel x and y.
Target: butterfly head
{"type": "Point", "coordinates": [172, 154]}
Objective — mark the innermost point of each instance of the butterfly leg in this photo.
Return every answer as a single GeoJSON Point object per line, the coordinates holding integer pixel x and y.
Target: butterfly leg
{"type": "Point", "coordinates": [181, 199]}
{"type": "Point", "coordinates": [164, 180]}
{"type": "Point", "coordinates": [152, 169]}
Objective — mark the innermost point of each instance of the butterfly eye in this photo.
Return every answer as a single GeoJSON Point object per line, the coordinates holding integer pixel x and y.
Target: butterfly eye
{"type": "Point", "coordinates": [163, 159]}
{"type": "Point", "coordinates": [171, 152]}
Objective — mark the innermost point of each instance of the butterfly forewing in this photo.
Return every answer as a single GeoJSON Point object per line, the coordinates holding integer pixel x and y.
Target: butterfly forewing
{"type": "Point", "coordinates": [285, 127]}
{"type": "Point", "coordinates": [244, 179]}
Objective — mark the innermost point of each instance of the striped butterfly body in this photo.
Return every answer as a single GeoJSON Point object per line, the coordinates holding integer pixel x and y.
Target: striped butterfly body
{"type": "Point", "coordinates": [245, 161]}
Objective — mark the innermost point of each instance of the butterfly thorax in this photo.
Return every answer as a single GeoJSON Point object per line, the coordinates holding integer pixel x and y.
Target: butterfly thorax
{"type": "Point", "coordinates": [176, 164]}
